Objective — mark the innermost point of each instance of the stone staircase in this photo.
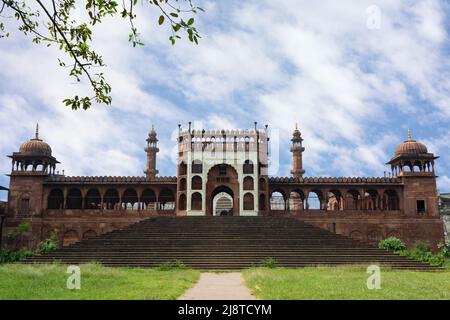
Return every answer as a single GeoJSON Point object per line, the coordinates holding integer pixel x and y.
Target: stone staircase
{"type": "Point", "coordinates": [224, 243]}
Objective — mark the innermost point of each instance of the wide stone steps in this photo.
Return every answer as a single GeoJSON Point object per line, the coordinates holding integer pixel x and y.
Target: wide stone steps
{"type": "Point", "coordinates": [224, 243]}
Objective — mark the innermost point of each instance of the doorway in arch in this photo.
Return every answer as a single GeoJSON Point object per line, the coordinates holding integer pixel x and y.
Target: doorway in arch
{"type": "Point", "coordinates": [222, 202]}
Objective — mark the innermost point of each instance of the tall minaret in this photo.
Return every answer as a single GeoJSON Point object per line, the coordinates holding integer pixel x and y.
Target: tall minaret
{"type": "Point", "coordinates": [152, 149]}
{"type": "Point", "coordinates": [297, 150]}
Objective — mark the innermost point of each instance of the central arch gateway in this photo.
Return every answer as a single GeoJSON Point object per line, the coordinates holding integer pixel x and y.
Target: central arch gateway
{"type": "Point", "coordinates": [222, 178]}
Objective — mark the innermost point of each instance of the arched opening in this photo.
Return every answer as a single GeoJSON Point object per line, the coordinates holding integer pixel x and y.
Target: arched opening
{"type": "Point", "coordinates": [148, 199]}
{"type": "Point", "coordinates": [222, 202]}
{"type": "Point", "coordinates": [296, 200]}
{"type": "Point", "coordinates": [196, 201]}
{"type": "Point", "coordinates": [166, 200]}
{"type": "Point", "coordinates": [370, 200]}
{"type": "Point", "coordinates": [197, 166]}
{"type": "Point", "coordinates": [248, 183]}
{"type": "Point", "coordinates": [182, 202]}
{"type": "Point", "coordinates": [222, 177]}
{"type": "Point", "coordinates": [314, 200]}
{"type": "Point", "coordinates": [262, 184]}
{"type": "Point", "coordinates": [277, 201]}
{"type": "Point", "coordinates": [249, 203]}
{"type": "Point", "coordinates": [55, 199]}
{"type": "Point", "coordinates": [93, 199]}
{"type": "Point", "coordinates": [335, 200]}
{"type": "Point", "coordinates": [262, 202]}
{"type": "Point", "coordinates": [182, 184]}
{"type": "Point", "coordinates": [70, 237]}
{"type": "Point", "coordinates": [74, 199]}
{"type": "Point", "coordinates": [111, 199]}
{"type": "Point", "coordinates": [248, 167]}
{"type": "Point", "coordinates": [129, 199]}
{"type": "Point", "coordinates": [374, 236]}
{"type": "Point", "coordinates": [89, 234]}
{"type": "Point", "coordinates": [182, 169]}
{"type": "Point", "coordinates": [352, 200]}
{"type": "Point", "coordinates": [196, 183]}
{"type": "Point", "coordinates": [391, 200]}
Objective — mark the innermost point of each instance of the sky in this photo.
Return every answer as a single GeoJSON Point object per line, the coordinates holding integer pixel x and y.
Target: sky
{"type": "Point", "coordinates": [355, 76]}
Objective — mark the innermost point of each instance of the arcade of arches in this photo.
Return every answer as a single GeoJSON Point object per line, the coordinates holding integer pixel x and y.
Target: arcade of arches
{"type": "Point", "coordinates": [111, 199]}
{"type": "Point", "coordinates": [334, 199]}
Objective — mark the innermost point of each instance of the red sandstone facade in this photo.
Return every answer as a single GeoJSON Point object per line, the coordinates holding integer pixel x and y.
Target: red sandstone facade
{"type": "Point", "coordinates": [223, 172]}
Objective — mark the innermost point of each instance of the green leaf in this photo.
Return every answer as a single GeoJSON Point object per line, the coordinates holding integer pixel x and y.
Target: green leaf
{"type": "Point", "coordinates": [191, 21]}
{"type": "Point", "coordinates": [161, 20]}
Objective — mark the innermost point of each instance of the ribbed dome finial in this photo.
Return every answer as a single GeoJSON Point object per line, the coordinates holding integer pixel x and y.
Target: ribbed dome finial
{"type": "Point", "coordinates": [409, 135]}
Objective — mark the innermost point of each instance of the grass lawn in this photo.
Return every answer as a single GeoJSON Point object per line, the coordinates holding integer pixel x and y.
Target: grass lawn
{"type": "Point", "coordinates": [20, 281]}
{"type": "Point", "coordinates": [347, 282]}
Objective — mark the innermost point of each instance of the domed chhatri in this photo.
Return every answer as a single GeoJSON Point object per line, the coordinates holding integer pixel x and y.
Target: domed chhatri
{"type": "Point", "coordinates": [411, 147]}
{"type": "Point", "coordinates": [35, 147]}
{"type": "Point", "coordinates": [412, 157]}
{"type": "Point", "coordinates": [35, 154]}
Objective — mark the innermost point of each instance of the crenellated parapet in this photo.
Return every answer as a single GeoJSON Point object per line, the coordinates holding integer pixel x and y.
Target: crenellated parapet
{"type": "Point", "coordinates": [336, 180]}
{"type": "Point", "coordinates": [109, 179]}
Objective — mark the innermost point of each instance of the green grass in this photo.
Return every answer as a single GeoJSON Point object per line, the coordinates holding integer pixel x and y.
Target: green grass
{"type": "Point", "coordinates": [20, 281]}
{"type": "Point", "coordinates": [347, 282]}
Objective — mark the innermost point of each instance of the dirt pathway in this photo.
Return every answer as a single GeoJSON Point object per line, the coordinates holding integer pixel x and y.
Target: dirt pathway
{"type": "Point", "coordinates": [219, 286]}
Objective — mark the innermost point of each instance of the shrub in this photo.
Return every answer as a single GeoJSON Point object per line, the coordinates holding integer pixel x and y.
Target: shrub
{"type": "Point", "coordinates": [48, 245]}
{"type": "Point", "coordinates": [23, 228]}
{"type": "Point", "coordinates": [392, 244]}
{"type": "Point", "coordinates": [270, 263]}
{"type": "Point", "coordinates": [421, 251]}
{"type": "Point", "coordinates": [10, 256]}
{"type": "Point", "coordinates": [171, 265]}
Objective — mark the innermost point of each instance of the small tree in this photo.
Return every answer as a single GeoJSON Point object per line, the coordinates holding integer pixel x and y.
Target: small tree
{"type": "Point", "coordinates": [54, 23]}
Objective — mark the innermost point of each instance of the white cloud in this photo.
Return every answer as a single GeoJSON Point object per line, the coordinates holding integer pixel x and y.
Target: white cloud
{"type": "Point", "coordinates": [352, 90]}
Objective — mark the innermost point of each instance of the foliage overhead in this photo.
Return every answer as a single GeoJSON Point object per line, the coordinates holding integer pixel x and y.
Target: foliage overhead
{"type": "Point", "coordinates": [52, 22]}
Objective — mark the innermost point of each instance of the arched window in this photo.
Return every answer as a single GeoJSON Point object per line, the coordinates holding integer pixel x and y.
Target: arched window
{"type": "Point", "coordinates": [335, 201]}
{"type": "Point", "coordinates": [182, 184]}
{"type": "Point", "coordinates": [196, 183]}
{"type": "Point", "coordinates": [182, 202]}
{"type": "Point", "coordinates": [129, 198]}
{"type": "Point", "coordinates": [166, 200]}
{"type": "Point", "coordinates": [196, 201]}
{"type": "Point", "coordinates": [249, 202]}
{"type": "Point", "coordinates": [262, 184]}
{"type": "Point", "coordinates": [313, 201]}
{"type": "Point", "coordinates": [89, 234]}
{"type": "Point", "coordinates": [370, 200]}
{"type": "Point", "coordinates": [93, 199]}
{"type": "Point", "coordinates": [70, 236]}
{"type": "Point", "coordinates": [74, 199]}
{"type": "Point", "coordinates": [148, 198]}
{"type": "Point", "coordinates": [296, 200]}
{"type": "Point", "coordinates": [55, 199]}
{"type": "Point", "coordinates": [262, 201]}
{"type": "Point", "coordinates": [197, 166]}
{"type": "Point", "coordinates": [277, 201]}
{"type": "Point", "coordinates": [248, 183]}
{"type": "Point", "coordinates": [248, 167]}
{"type": "Point", "coordinates": [182, 169]}
{"type": "Point", "coordinates": [110, 199]}
{"type": "Point", "coordinates": [391, 200]}
{"type": "Point", "coordinates": [352, 200]}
